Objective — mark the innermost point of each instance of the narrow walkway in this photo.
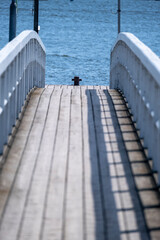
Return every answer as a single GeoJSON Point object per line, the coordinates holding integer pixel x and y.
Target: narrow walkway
{"type": "Point", "coordinates": [77, 171]}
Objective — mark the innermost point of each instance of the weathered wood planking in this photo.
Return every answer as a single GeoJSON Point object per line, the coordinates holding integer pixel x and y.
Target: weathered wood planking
{"type": "Point", "coordinates": [76, 170]}
{"type": "Point", "coordinates": [54, 207]}
{"type": "Point", "coordinates": [92, 195]}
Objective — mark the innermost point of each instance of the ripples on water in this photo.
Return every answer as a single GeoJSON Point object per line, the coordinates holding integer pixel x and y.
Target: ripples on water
{"type": "Point", "coordinates": [79, 34]}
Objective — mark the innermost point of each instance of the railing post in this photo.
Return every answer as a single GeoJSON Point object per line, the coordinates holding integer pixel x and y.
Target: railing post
{"type": "Point", "coordinates": [119, 16]}
{"type": "Point", "coordinates": [36, 12]}
{"type": "Point", "coordinates": [12, 21]}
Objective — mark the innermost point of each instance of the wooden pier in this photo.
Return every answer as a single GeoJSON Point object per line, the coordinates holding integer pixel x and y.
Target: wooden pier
{"type": "Point", "coordinates": [77, 170]}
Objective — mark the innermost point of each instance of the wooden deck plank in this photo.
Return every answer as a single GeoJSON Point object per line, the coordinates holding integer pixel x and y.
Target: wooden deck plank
{"type": "Point", "coordinates": [112, 182]}
{"type": "Point", "coordinates": [13, 160]}
{"type": "Point", "coordinates": [54, 206]}
{"type": "Point", "coordinates": [76, 170]}
{"type": "Point", "coordinates": [93, 222]}
{"type": "Point", "coordinates": [73, 217]}
{"type": "Point", "coordinates": [12, 215]}
{"type": "Point", "coordinates": [35, 201]}
{"type": "Point", "coordinates": [104, 146]}
{"type": "Point", "coordinates": [142, 176]}
{"type": "Point", "coordinates": [128, 221]}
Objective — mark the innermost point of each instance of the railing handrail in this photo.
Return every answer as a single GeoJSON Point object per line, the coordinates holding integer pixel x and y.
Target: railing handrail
{"type": "Point", "coordinates": [11, 50]}
{"type": "Point", "coordinates": [22, 67]}
{"type": "Point", "coordinates": [135, 70]}
{"type": "Point", "coordinates": [148, 58]}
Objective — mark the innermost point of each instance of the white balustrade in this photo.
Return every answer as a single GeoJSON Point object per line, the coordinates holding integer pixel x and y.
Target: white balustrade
{"type": "Point", "coordinates": [135, 70]}
{"type": "Point", "coordinates": [22, 67]}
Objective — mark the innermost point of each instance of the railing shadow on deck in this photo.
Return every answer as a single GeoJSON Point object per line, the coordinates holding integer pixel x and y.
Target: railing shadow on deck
{"type": "Point", "coordinates": [116, 205]}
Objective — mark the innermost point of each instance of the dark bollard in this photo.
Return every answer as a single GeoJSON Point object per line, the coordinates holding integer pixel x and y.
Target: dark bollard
{"type": "Point", "coordinates": [12, 20]}
{"type": "Point", "coordinates": [76, 81]}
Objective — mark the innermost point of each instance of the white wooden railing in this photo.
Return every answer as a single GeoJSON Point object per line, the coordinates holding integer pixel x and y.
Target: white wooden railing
{"type": "Point", "coordinates": [22, 67]}
{"type": "Point", "coordinates": [135, 70]}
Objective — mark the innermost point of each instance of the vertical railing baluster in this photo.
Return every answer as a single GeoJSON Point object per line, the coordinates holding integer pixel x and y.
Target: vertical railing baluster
{"type": "Point", "coordinates": [23, 72]}
{"type": "Point", "coordinates": [135, 70]}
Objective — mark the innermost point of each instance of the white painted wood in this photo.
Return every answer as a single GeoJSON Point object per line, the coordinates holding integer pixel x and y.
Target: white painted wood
{"type": "Point", "coordinates": [135, 70]}
{"type": "Point", "coordinates": [146, 56]}
{"type": "Point", "coordinates": [22, 66]}
{"type": "Point", "coordinates": [12, 49]}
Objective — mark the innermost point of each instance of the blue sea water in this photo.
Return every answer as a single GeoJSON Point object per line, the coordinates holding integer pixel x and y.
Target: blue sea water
{"type": "Point", "coordinates": [79, 34]}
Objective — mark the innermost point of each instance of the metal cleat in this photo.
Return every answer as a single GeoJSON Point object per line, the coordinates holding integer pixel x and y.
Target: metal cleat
{"type": "Point", "coordinates": [76, 81]}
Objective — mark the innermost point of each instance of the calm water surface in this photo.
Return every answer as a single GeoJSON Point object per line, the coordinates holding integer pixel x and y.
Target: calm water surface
{"type": "Point", "coordinates": [79, 34]}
